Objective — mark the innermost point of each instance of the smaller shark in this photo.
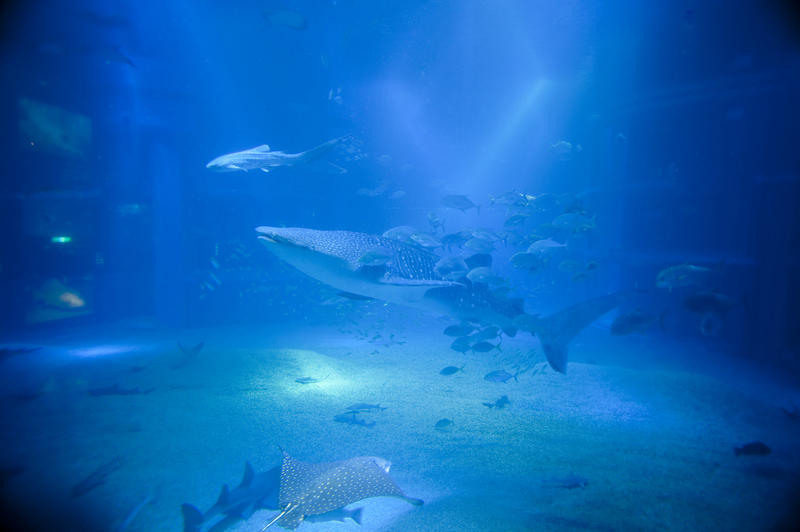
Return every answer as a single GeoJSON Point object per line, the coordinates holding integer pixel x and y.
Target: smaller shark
{"type": "Point", "coordinates": [255, 492]}
{"type": "Point", "coordinates": [263, 158]}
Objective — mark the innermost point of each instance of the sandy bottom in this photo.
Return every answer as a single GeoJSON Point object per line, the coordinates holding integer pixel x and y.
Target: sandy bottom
{"type": "Point", "coordinates": [655, 443]}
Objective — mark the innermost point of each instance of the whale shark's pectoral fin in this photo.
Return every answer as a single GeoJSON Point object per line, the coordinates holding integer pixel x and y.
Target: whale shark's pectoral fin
{"type": "Point", "coordinates": [235, 167]}
{"type": "Point", "coordinates": [357, 297]}
{"type": "Point", "coordinates": [401, 281]}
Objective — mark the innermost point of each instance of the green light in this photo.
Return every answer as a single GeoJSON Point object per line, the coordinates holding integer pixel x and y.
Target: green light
{"type": "Point", "coordinates": [61, 239]}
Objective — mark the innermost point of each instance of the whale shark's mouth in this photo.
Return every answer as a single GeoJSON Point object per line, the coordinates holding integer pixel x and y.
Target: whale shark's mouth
{"type": "Point", "coordinates": [272, 235]}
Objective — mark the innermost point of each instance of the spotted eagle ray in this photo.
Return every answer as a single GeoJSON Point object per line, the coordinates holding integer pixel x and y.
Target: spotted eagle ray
{"type": "Point", "coordinates": [309, 489]}
{"type": "Point", "coordinates": [409, 278]}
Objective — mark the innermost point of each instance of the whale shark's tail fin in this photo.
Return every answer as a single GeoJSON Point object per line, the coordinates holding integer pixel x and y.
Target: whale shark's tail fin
{"type": "Point", "coordinates": [557, 330]}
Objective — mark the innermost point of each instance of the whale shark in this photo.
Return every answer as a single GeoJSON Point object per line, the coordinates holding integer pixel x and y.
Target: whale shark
{"type": "Point", "coordinates": [409, 277]}
{"type": "Point", "coordinates": [263, 158]}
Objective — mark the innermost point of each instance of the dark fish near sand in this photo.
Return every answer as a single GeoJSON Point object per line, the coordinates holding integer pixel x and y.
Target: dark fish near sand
{"type": "Point", "coordinates": [487, 333]}
{"type": "Point", "coordinates": [500, 375]}
{"type": "Point", "coordinates": [462, 344]}
{"type": "Point", "coordinates": [569, 482]}
{"type": "Point", "coordinates": [459, 330]}
{"type": "Point", "coordinates": [443, 424]}
{"type": "Point", "coordinates": [755, 448]}
{"type": "Point", "coordinates": [365, 407]}
{"type": "Point", "coordinates": [500, 403]}
{"type": "Point", "coordinates": [97, 477]}
{"type": "Point", "coordinates": [308, 380]}
{"type": "Point", "coordinates": [116, 389]}
{"type": "Point", "coordinates": [451, 370]}
{"type": "Point", "coordinates": [351, 418]}
{"type": "Point", "coordinates": [485, 347]}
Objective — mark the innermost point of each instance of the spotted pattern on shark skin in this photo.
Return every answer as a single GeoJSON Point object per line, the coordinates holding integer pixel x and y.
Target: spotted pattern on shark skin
{"type": "Point", "coordinates": [408, 263]}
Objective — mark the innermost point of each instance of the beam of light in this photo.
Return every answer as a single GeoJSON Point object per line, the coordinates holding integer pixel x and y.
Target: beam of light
{"type": "Point", "coordinates": [102, 350]}
{"type": "Point", "coordinates": [507, 129]}
{"type": "Point", "coordinates": [61, 239]}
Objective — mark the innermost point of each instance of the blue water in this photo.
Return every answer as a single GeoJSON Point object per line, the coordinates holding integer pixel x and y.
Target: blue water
{"type": "Point", "coordinates": [613, 186]}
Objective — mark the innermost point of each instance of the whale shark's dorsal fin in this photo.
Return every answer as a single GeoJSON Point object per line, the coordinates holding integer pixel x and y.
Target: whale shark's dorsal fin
{"type": "Point", "coordinates": [264, 148]}
{"type": "Point", "coordinates": [247, 479]}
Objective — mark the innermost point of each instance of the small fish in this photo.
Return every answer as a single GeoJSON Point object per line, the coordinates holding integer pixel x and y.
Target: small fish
{"type": "Point", "coordinates": [527, 261]}
{"type": "Point", "coordinates": [435, 221]}
{"type": "Point", "coordinates": [456, 239]}
{"type": "Point", "coordinates": [479, 260]}
{"type": "Point", "coordinates": [545, 246]}
{"type": "Point", "coordinates": [365, 407]}
{"type": "Point", "coordinates": [500, 403]}
{"type": "Point", "coordinates": [351, 418]}
{"type": "Point", "coordinates": [426, 240]}
{"type": "Point", "coordinates": [443, 424]}
{"type": "Point", "coordinates": [376, 257]}
{"type": "Point", "coordinates": [755, 448]}
{"type": "Point", "coordinates": [487, 333]}
{"type": "Point", "coordinates": [485, 347]}
{"type": "Point", "coordinates": [401, 233]}
{"type": "Point", "coordinates": [569, 482]}
{"type": "Point", "coordinates": [462, 344]}
{"type": "Point", "coordinates": [517, 219]}
{"type": "Point", "coordinates": [116, 389]}
{"type": "Point", "coordinates": [569, 266]}
{"type": "Point", "coordinates": [565, 149]}
{"type": "Point", "coordinates": [459, 330]}
{"type": "Point", "coordinates": [451, 370]}
{"type": "Point", "coordinates": [97, 477]}
{"type": "Point", "coordinates": [481, 245]}
{"type": "Point", "coordinates": [307, 380]}
{"type": "Point", "coordinates": [480, 275]}
{"type": "Point", "coordinates": [459, 202]}
{"type": "Point", "coordinates": [451, 268]}
{"type": "Point", "coordinates": [681, 275]}
{"type": "Point", "coordinates": [500, 375]}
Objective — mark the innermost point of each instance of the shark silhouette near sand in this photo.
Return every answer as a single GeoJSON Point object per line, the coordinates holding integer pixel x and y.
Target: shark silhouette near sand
{"type": "Point", "coordinates": [408, 277]}
{"type": "Point", "coordinates": [309, 489]}
{"type": "Point", "coordinates": [255, 492]}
